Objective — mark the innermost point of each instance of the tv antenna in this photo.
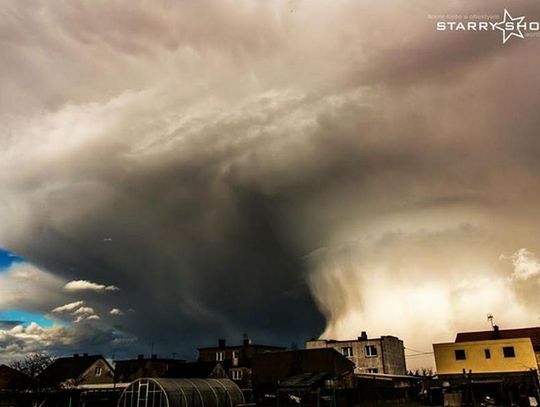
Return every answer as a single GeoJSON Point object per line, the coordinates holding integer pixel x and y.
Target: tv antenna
{"type": "Point", "coordinates": [490, 319]}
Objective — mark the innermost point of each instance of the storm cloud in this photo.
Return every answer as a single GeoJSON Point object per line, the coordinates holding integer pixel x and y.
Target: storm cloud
{"type": "Point", "coordinates": [286, 169]}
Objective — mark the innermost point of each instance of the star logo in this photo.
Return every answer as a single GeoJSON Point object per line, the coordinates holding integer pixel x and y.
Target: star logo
{"type": "Point", "coordinates": [511, 26]}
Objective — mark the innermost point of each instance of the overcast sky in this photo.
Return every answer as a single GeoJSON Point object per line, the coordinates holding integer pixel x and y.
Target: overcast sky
{"type": "Point", "coordinates": [172, 172]}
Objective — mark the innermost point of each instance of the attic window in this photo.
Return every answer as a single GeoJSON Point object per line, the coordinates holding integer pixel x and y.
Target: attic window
{"type": "Point", "coordinates": [98, 371]}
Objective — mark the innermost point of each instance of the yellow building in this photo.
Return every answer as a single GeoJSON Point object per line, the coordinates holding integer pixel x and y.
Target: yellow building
{"type": "Point", "coordinates": [485, 356]}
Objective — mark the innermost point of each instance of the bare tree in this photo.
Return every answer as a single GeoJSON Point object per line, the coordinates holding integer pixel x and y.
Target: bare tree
{"type": "Point", "coordinates": [33, 364]}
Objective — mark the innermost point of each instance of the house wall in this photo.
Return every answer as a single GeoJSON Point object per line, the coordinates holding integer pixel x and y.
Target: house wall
{"type": "Point", "coordinates": [238, 369]}
{"type": "Point", "coordinates": [209, 355]}
{"type": "Point", "coordinates": [90, 376]}
{"type": "Point", "coordinates": [245, 354]}
{"type": "Point", "coordinates": [132, 369]}
{"type": "Point", "coordinates": [393, 355]}
{"type": "Point", "coordinates": [476, 361]}
{"type": "Point", "coordinates": [390, 357]}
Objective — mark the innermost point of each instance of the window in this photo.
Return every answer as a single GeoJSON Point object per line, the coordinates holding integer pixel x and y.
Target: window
{"type": "Point", "coordinates": [235, 356]}
{"type": "Point", "coordinates": [220, 356]}
{"type": "Point", "coordinates": [236, 374]}
{"type": "Point", "coordinates": [371, 351]}
{"type": "Point", "coordinates": [460, 354]}
{"type": "Point", "coordinates": [98, 371]}
{"type": "Point", "coordinates": [346, 351]}
{"type": "Point", "coordinates": [509, 352]}
{"type": "Point", "coordinates": [487, 352]}
{"type": "Point", "coordinates": [373, 370]}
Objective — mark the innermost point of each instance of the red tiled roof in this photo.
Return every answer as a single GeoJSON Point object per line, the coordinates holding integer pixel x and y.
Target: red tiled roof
{"type": "Point", "coordinates": [532, 333]}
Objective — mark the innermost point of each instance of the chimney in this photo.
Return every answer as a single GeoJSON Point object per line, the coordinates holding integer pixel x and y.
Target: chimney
{"type": "Point", "coordinates": [221, 343]}
{"type": "Point", "coordinates": [75, 355]}
{"type": "Point", "coordinates": [363, 336]}
{"type": "Point", "coordinates": [140, 356]}
{"type": "Point", "coordinates": [246, 341]}
{"type": "Point", "coordinates": [154, 356]}
{"type": "Point", "coordinates": [496, 332]}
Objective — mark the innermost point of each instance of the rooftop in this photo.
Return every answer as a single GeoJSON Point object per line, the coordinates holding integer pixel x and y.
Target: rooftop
{"type": "Point", "coordinates": [69, 367]}
{"type": "Point", "coordinates": [532, 333]}
{"type": "Point", "coordinates": [359, 339]}
{"type": "Point", "coordinates": [152, 358]}
{"type": "Point", "coordinates": [246, 342]}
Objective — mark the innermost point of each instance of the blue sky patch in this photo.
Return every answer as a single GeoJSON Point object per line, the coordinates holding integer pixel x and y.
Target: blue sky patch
{"type": "Point", "coordinates": [7, 259]}
{"type": "Point", "coordinates": [25, 318]}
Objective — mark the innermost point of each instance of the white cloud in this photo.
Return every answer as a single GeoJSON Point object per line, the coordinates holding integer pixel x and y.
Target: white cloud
{"type": "Point", "coordinates": [116, 312]}
{"type": "Point", "coordinates": [85, 285]}
{"type": "Point", "coordinates": [526, 265]}
{"type": "Point", "coordinates": [32, 338]}
{"type": "Point", "coordinates": [78, 310]}
{"type": "Point", "coordinates": [84, 311]}
{"type": "Point", "coordinates": [18, 341]}
{"type": "Point", "coordinates": [71, 307]}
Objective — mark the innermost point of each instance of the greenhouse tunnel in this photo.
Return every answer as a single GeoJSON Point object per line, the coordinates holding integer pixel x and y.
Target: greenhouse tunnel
{"type": "Point", "coordinates": [154, 392]}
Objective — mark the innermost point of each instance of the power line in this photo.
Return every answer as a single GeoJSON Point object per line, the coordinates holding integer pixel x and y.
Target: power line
{"type": "Point", "coordinates": [419, 355]}
{"type": "Point", "coordinates": [416, 350]}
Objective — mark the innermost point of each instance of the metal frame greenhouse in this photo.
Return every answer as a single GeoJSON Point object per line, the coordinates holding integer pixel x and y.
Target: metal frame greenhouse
{"type": "Point", "coordinates": [157, 392]}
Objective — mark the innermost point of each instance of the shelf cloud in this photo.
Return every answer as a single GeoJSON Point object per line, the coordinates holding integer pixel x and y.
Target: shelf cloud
{"type": "Point", "coordinates": [301, 169]}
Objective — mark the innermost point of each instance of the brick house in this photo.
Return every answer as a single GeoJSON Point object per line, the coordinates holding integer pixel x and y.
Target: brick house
{"type": "Point", "coordinates": [384, 355]}
{"type": "Point", "coordinates": [236, 359]}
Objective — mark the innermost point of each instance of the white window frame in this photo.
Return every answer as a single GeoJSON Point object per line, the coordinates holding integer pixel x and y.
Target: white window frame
{"type": "Point", "coordinates": [236, 374]}
{"type": "Point", "coordinates": [369, 353]}
{"type": "Point", "coordinates": [98, 371]}
{"type": "Point", "coordinates": [220, 356]}
{"type": "Point", "coordinates": [347, 351]}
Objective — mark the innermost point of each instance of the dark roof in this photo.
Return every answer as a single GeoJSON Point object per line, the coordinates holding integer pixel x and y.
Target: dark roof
{"type": "Point", "coordinates": [161, 360]}
{"type": "Point", "coordinates": [200, 370]}
{"type": "Point", "coordinates": [9, 370]}
{"type": "Point", "coordinates": [306, 379]}
{"type": "Point", "coordinates": [345, 340]}
{"type": "Point", "coordinates": [12, 378]}
{"type": "Point", "coordinates": [66, 368]}
{"type": "Point", "coordinates": [532, 333]}
{"type": "Point", "coordinates": [253, 345]}
{"type": "Point", "coordinates": [290, 363]}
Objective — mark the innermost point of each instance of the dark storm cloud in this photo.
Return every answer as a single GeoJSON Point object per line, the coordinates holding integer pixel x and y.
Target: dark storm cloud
{"type": "Point", "coordinates": [343, 157]}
